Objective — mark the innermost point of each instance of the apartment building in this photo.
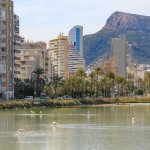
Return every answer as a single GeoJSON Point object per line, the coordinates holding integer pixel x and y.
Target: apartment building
{"type": "Point", "coordinates": [6, 47]}
{"type": "Point", "coordinates": [75, 54]}
{"type": "Point", "coordinates": [47, 62]}
{"type": "Point", "coordinates": [75, 60]}
{"type": "Point", "coordinates": [58, 56]}
{"type": "Point", "coordinates": [28, 57]}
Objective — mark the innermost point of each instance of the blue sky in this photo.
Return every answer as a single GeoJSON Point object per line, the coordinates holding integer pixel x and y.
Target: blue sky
{"type": "Point", "coordinates": [45, 19]}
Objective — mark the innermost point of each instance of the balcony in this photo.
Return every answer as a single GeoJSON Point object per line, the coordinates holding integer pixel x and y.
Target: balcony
{"type": "Point", "coordinates": [4, 36]}
{"type": "Point", "coordinates": [2, 53]}
{"type": "Point", "coordinates": [2, 89]}
{"type": "Point", "coordinates": [3, 27]}
{"type": "Point", "coordinates": [2, 80]}
{"type": "Point", "coordinates": [2, 69]}
{"type": "Point", "coordinates": [3, 44]}
{"type": "Point", "coordinates": [3, 3]}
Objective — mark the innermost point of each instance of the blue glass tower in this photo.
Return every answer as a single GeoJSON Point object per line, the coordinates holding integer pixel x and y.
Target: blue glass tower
{"type": "Point", "coordinates": [76, 38]}
{"type": "Point", "coordinates": [77, 45]}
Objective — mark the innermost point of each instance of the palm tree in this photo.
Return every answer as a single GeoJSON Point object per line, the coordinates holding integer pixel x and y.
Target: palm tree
{"type": "Point", "coordinates": [70, 86]}
{"type": "Point", "coordinates": [28, 87]}
{"type": "Point", "coordinates": [39, 78]}
{"type": "Point", "coordinates": [19, 88]}
{"type": "Point", "coordinates": [120, 81]}
{"type": "Point", "coordinates": [55, 83]}
{"type": "Point", "coordinates": [81, 73]}
{"type": "Point", "coordinates": [130, 79]}
{"type": "Point", "coordinates": [47, 89]}
{"type": "Point", "coordinates": [147, 81]}
{"type": "Point", "coordinates": [110, 83]}
{"type": "Point", "coordinates": [92, 83]}
{"type": "Point", "coordinates": [98, 72]}
{"type": "Point", "coordinates": [81, 82]}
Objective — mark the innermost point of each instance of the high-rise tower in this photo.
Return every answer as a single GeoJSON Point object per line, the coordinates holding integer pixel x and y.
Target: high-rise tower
{"type": "Point", "coordinates": [75, 54]}
{"type": "Point", "coordinates": [58, 56]}
{"type": "Point", "coordinates": [119, 53]}
{"type": "Point", "coordinates": [6, 46]}
{"type": "Point", "coordinates": [76, 38]}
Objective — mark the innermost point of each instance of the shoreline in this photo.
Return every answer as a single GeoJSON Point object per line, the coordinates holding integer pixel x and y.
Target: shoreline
{"type": "Point", "coordinates": [54, 103]}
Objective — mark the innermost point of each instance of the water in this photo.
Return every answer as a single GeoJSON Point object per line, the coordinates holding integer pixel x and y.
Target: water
{"type": "Point", "coordinates": [91, 128]}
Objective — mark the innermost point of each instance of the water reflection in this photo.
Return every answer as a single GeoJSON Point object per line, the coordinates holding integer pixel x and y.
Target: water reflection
{"type": "Point", "coordinates": [96, 128]}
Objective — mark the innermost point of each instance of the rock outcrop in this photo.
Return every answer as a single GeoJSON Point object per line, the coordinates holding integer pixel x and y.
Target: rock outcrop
{"type": "Point", "coordinates": [136, 28]}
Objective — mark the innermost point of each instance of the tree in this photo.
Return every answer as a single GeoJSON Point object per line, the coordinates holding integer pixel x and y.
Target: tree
{"type": "Point", "coordinates": [19, 88]}
{"type": "Point", "coordinates": [98, 72]}
{"type": "Point", "coordinates": [130, 79]}
{"type": "Point", "coordinates": [81, 73]}
{"type": "Point", "coordinates": [120, 82]}
{"type": "Point", "coordinates": [147, 82]}
{"type": "Point", "coordinates": [55, 83]}
{"type": "Point", "coordinates": [39, 78]}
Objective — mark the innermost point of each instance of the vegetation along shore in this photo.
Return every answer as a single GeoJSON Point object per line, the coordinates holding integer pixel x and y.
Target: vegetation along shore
{"type": "Point", "coordinates": [70, 102]}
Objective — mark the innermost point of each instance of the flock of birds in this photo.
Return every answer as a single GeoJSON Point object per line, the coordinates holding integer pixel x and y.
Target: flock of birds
{"type": "Point", "coordinates": [22, 131]}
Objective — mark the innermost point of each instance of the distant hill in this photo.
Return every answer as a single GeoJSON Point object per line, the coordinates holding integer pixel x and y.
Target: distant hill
{"type": "Point", "coordinates": [136, 28]}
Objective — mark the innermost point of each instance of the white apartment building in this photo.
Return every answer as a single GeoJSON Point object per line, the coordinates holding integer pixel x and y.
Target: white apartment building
{"type": "Point", "coordinates": [58, 56]}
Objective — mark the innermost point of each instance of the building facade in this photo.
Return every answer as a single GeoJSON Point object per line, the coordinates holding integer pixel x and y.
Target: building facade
{"type": "Point", "coordinates": [111, 65]}
{"type": "Point", "coordinates": [58, 56]}
{"type": "Point", "coordinates": [28, 57]}
{"type": "Point", "coordinates": [75, 54]}
{"type": "Point", "coordinates": [76, 38]}
{"type": "Point", "coordinates": [119, 53]}
{"type": "Point", "coordinates": [6, 46]}
{"type": "Point", "coordinates": [75, 60]}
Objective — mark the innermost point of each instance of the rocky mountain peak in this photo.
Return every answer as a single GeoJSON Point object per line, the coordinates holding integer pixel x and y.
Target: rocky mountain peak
{"type": "Point", "coordinates": [127, 21]}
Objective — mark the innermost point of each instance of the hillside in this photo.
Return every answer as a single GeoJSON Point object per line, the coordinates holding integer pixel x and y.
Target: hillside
{"type": "Point", "coordinates": [136, 29]}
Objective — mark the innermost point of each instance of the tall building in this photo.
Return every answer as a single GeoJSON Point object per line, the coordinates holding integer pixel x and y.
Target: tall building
{"type": "Point", "coordinates": [17, 42]}
{"type": "Point", "coordinates": [47, 62]}
{"type": "Point", "coordinates": [76, 38]}
{"type": "Point", "coordinates": [75, 54]}
{"type": "Point", "coordinates": [28, 57]}
{"type": "Point", "coordinates": [58, 56]}
{"type": "Point", "coordinates": [119, 53]}
{"type": "Point", "coordinates": [16, 30]}
{"type": "Point", "coordinates": [75, 60]}
{"type": "Point", "coordinates": [6, 46]}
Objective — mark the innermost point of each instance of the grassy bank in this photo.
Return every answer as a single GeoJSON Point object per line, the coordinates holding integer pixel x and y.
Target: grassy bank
{"type": "Point", "coordinates": [132, 100]}
{"type": "Point", "coordinates": [51, 103]}
{"type": "Point", "coordinates": [29, 104]}
{"type": "Point", "coordinates": [68, 103]}
{"type": "Point", "coordinates": [15, 104]}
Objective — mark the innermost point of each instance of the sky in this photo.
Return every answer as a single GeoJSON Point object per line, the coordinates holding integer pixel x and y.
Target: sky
{"type": "Point", "coordinates": [42, 20]}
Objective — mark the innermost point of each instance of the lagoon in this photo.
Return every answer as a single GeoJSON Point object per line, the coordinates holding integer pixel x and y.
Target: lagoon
{"type": "Point", "coordinates": [104, 127]}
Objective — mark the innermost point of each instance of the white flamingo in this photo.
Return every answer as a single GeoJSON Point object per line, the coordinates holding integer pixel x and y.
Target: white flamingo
{"type": "Point", "coordinates": [32, 112]}
{"type": "Point", "coordinates": [54, 124]}
{"type": "Point", "coordinates": [21, 131]}
{"type": "Point", "coordinates": [41, 112]}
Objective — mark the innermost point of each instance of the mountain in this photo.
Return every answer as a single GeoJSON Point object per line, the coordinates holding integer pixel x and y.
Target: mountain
{"type": "Point", "coordinates": [135, 27]}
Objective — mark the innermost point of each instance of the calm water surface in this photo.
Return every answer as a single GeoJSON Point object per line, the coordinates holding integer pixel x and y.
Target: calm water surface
{"type": "Point", "coordinates": [91, 128]}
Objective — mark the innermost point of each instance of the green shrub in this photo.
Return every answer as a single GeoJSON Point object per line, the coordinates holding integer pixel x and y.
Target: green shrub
{"type": "Point", "coordinates": [60, 103]}
{"type": "Point", "coordinates": [87, 101]}
{"type": "Point", "coordinates": [138, 92]}
{"type": "Point", "coordinates": [15, 104]}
